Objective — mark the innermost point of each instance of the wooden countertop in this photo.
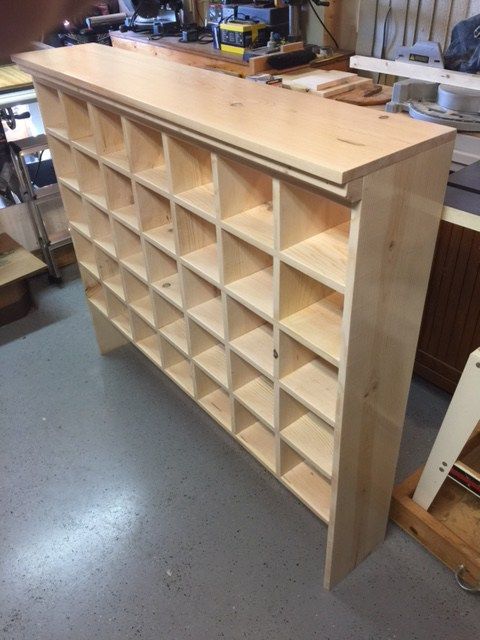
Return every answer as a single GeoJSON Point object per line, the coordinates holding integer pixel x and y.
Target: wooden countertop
{"type": "Point", "coordinates": [326, 139]}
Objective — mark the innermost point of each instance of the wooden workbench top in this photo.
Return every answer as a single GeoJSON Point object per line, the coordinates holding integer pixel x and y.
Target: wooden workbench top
{"type": "Point", "coordinates": [332, 141]}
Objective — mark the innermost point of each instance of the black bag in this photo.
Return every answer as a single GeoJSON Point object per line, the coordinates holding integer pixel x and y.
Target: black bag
{"type": "Point", "coordinates": [463, 53]}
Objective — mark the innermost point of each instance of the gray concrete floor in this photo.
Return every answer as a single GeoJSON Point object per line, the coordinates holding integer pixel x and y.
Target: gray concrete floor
{"type": "Point", "coordinates": [126, 513]}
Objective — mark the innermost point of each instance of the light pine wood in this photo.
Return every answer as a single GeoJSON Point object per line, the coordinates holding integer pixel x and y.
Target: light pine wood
{"type": "Point", "coordinates": [261, 280]}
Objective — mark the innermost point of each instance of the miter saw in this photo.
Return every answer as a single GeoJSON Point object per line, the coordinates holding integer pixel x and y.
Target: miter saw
{"type": "Point", "coordinates": [440, 103]}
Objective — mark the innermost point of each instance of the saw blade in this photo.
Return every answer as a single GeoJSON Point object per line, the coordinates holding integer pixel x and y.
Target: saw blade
{"type": "Point", "coordinates": [433, 112]}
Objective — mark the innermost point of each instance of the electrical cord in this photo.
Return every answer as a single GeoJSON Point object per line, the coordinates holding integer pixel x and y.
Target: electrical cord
{"type": "Point", "coordinates": [323, 24]}
{"type": "Point", "coordinates": [39, 162]}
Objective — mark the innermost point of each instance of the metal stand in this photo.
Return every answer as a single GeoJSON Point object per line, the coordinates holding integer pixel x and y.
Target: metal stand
{"type": "Point", "coordinates": [35, 197]}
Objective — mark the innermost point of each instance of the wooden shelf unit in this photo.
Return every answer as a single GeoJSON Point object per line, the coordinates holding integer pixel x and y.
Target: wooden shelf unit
{"type": "Point", "coordinates": [282, 290]}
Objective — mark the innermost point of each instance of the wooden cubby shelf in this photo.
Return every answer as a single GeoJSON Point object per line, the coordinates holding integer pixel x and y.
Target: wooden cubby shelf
{"type": "Point", "coordinates": [213, 399]}
{"type": "Point", "coordinates": [281, 286]}
{"type": "Point", "coordinates": [307, 484]}
{"type": "Point", "coordinates": [310, 379]}
{"type": "Point", "coordinates": [248, 274]}
{"type": "Point", "coordinates": [314, 234]}
{"type": "Point", "coordinates": [191, 176]}
{"type": "Point", "coordinates": [254, 436]}
{"type": "Point", "coordinates": [147, 158]}
{"type": "Point", "coordinates": [311, 313]}
{"type": "Point", "coordinates": [245, 196]}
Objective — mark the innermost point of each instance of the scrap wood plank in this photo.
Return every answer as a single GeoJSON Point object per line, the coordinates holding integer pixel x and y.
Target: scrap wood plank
{"type": "Point", "coordinates": [11, 77]}
{"type": "Point", "coordinates": [16, 263]}
{"type": "Point", "coordinates": [318, 79]}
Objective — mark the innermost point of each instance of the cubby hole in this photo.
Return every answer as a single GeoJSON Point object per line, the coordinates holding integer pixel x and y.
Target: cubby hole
{"type": "Point", "coordinates": [109, 137]}
{"type": "Point", "coordinates": [250, 336]}
{"type": "Point", "coordinates": [311, 313]}
{"type": "Point", "coordinates": [171, 323]}
{"type": "Point", "coordinates": [100, 228]}
{"type": "Point", "coordinates": [75, 210]}
{"type": "Point", "coordinates": [310, 379]}
{"type": "Point", "coordinates": [53, 115]}
{"type": "Point", "coordinates": [248, 274]}
{"type": "Point", "coordinates": [156, 218]}
{"type": "Point", "coordinates": [245, 196]}
{"type": "Point", "coordinates": [110, 273]}
{"type": "Point", "coordinates": [85, 252]}
{"type": "Point", "coordinates": [94, 290]}
{"type": "Point", "coordinates": [120, 198]}
{"type": "Point", "coordinates": [176, 365]}
{"type": "Point", "coordinates": [147, 158]}
{"type": "Point", "coordinates": [191, 172]}
{"type": "Point", "coordinates": [129, 249]}
{"type": "Point", "coordinates": [306, 433]}
{"type": "Point", "coordinates": [138, 297]}
{"type": "Point", "coordinates": [213, 399]}
{"type": "Point", "coordinates": [198, 244]}
{"type": "Point", "coordinates": [204, 303]}
{"type": "Point", "coordinates": [253, 389]}
{"type": "Point", "coordinates": [314, 234]}
{"type": "Point", "coordinates": [64, 164]}
{"type": "Point", "coordinates": [119, 314]}
{"type": "Point", "coordinates": [146, 339]}
{"type": "Point", "coordinates": [79, 125]}
{"type": "Point", "coordinates": [90, 178]}
{"type": "Point", "coordinates": [208, 354]}
{"type": "Point", "coordinates": [255, 436]}
{"type": "Point", "coordinates": [307, 484]}
{"type": "Point", "coordinates": [163, 274]}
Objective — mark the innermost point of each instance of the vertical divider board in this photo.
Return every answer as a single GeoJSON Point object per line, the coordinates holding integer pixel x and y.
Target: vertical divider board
{"type": "Point", "coordinates": [284, 308]}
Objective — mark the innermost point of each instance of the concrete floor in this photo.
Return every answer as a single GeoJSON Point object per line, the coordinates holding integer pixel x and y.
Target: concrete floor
{"type": "Point", "coordinates": [126, 513]}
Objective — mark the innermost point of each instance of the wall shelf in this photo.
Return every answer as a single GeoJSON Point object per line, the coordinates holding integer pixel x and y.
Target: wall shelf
{"type": "Point", "coordinates": [225, 258]}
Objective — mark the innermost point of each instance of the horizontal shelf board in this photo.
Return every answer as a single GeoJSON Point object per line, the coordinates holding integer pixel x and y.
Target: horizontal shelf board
{"type": "Point", "coordinates": [209, 315]}
{"type": "Point", "coordinates": [70, 182]}
{"type": "Point", "coordinates": [169, 288]}
{"type": "Point", "coordinates": [118, 160]}
{"type": "Point", "coordinates": [87, 145]}
{"type": "Point", "coordinates": [155, 178]}
{"type": "Point", "coordinates": [214, 362]}
{"type": "Point", "coordinates": [98, 301]}
{"type": "Point", "coordinates": [114, 283]}
{"type": "Point", "coordinates": [144, 309]}
{"type": "Point", "coordinates": [81, 227]}
{"type": "Point", "coordinates": [200, 199]}
{"type": "Point", "coordinates": [96, 198]}
{"type": "Point", "coordinates": [128, 216]}
{"type": "Point", "coordinates": [311, 488]}
{"type": "Point", "coordinates": [149, 346]}
{"type": "Point", "coordinates": [217, 404]}
{"type": "Point", "coordinates": [315, 385]}
{"type": "Point", "coordinates": [123, 323]}
{"type": "Point", "coordinates": [256, 290]}
{"type": "Point", "coordinates": [260, 442]}
{"type": "Point", "coordinates": [323, 256]}
{"type": "Point", "coordinates": [319, 326]}
{"type": "Point", "coordinates": [205, 262]}
{"type": "Point", "coordinates": [107, 245]}
{"type": "Point", "coordinates": [59, 132]}
{"type": "Point", "coordinates": [90, 266]}
{"type": "Point", "coordinates": [176, 333]}
{"type": "Point", "coordinates": [181, 374]}
{"type": "Point", "coordinates": [312, 438]}
{"type": "Point", "coordinates": [162, 237]}
{"type": "Point", "coordinates": [257, 348]}
{"type": "Point", "coordinates": [257, 396]}
{"type": "Point", "coordinates": [136, 264]}
{"type": "Point", "coordinates": [253, 225]}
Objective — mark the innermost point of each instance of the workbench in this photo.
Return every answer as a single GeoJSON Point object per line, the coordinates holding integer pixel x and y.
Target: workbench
{"type": "Point", "coordinates": [203, 56]}
{"type": "Point", "coordinates": [278, 279]}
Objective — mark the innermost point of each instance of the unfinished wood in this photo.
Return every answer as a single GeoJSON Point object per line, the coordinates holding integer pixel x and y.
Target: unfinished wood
{"type": "Point", "coordinates": [79, 126]}
{"type": "Point", "coordinates": [16, 263]}
{"type": "Point", "coordinates": [107, 335]}
{"type": "Point", "coordinates": [311, 313]}
{"type": "Point", "coordinates": [75, 210]}
{"type": "Point", "coordinates": [259, 440]}
{"type": "Point", "coordinates": [94, 291]}
{"type": "Point", "coordinates": [333, 152]}
{"type": "Point", "coordinates": [286, 284]}
{"type": "Point", "coordinates": [100, 227]}
{"type": "Point", "coordinates": [51, 108]}
{"type": "Point", "coordinates": [380, 337]}
{"type": "Point", "coordinates": [63, 161]}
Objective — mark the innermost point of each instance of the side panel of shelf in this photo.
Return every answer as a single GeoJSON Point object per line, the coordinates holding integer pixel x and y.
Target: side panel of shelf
{"type": "Point", "coordinates": [392, 239]}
